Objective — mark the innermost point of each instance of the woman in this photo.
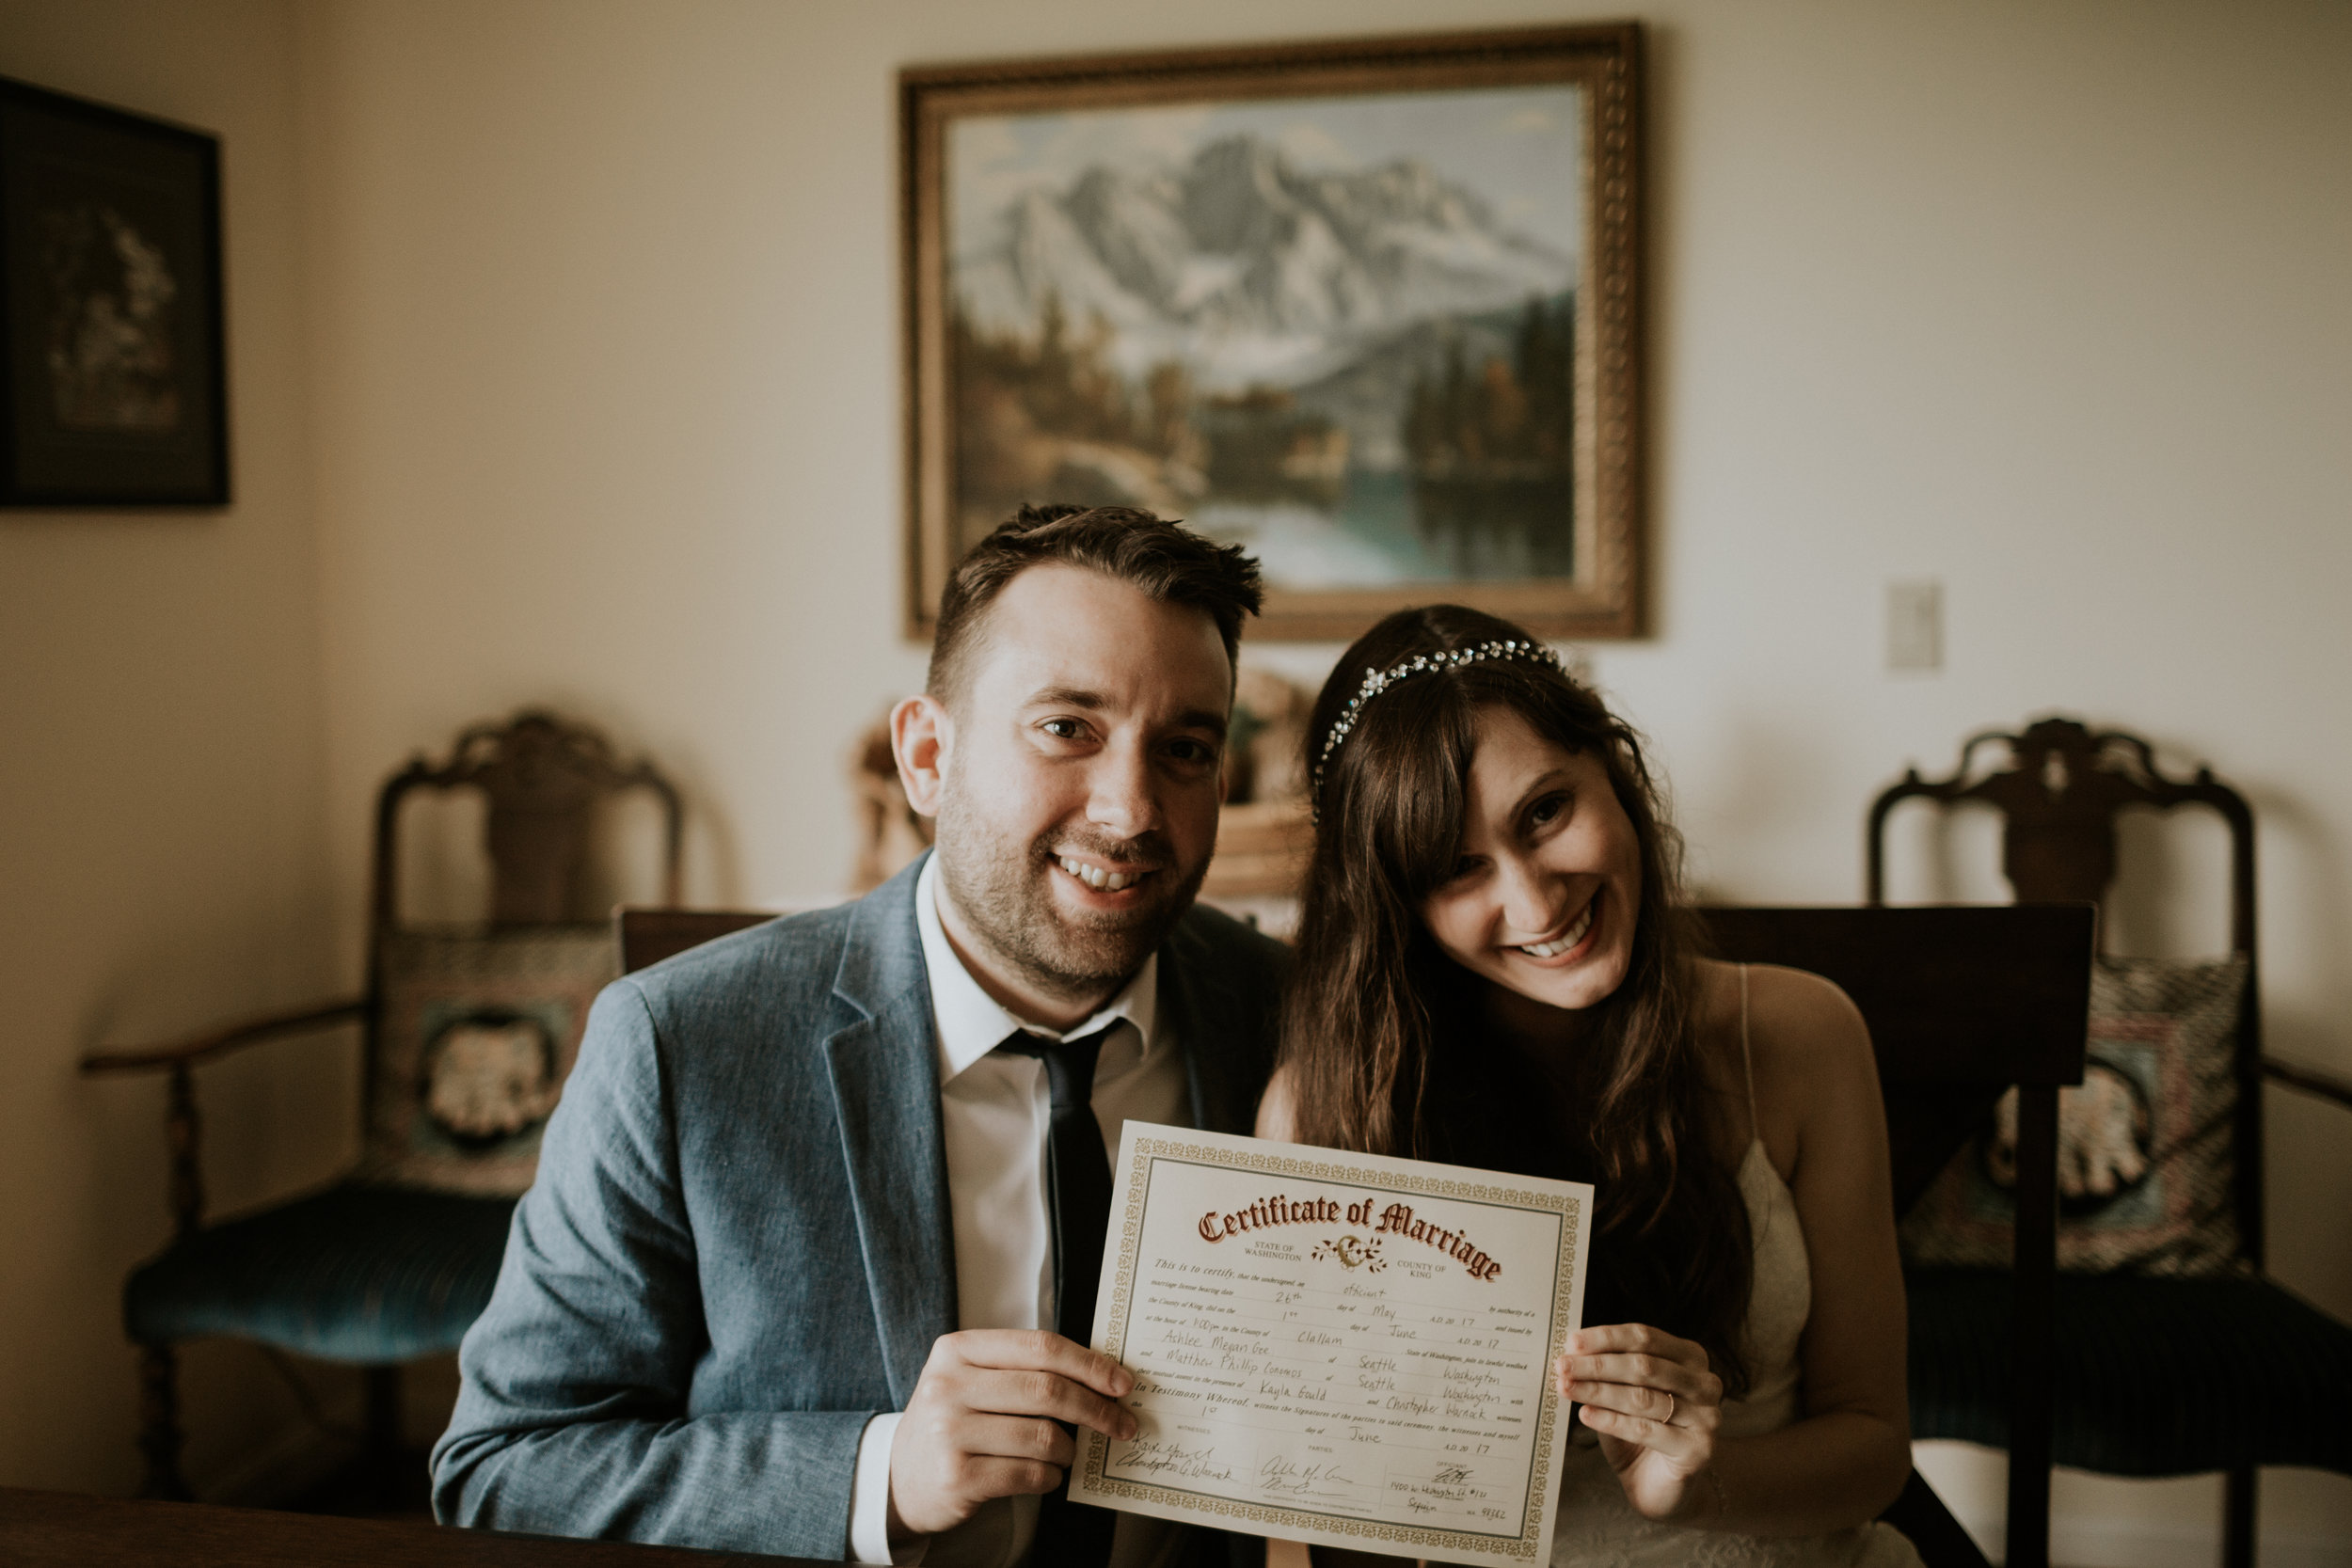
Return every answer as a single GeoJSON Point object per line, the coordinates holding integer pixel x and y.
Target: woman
{"type": "Point", "coordinates": [1494, 970]}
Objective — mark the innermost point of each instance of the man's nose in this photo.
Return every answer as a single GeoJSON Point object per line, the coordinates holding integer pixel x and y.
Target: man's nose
{"type": "Point", "coordinates": [1122, 797]}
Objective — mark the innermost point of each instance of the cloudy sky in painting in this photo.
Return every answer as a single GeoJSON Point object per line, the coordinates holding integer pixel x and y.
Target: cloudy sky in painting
{"type": "Point", "coordinates": [1517, 146]}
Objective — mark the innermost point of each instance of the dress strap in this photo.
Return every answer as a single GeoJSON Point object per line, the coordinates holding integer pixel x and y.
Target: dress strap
{"type": "Point", "coordinates": [1747, 1058]}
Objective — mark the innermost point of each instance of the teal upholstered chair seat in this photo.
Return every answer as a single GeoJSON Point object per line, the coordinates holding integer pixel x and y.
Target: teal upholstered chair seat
{"type": "Point", "coordinates": [2154, 1377]}
{"type": "Point", "coordinates": [368, 1275]}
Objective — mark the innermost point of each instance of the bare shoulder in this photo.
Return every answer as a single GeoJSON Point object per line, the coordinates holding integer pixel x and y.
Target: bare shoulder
{"type": "Point", "coordinates": [1797, 1022]}
{"type": "Point", "coordinates": [1277, 1114]}
{"type": "Point", "coordinates": [1814, 1073]}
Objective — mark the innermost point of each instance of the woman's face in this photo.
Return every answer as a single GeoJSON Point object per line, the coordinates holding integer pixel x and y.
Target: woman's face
{"type": "Point", "coordinates": [1546, 881]}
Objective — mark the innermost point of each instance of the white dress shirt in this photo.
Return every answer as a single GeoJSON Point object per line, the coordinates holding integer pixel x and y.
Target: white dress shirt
{"type": "Point", "coordinates": [996, 1110]}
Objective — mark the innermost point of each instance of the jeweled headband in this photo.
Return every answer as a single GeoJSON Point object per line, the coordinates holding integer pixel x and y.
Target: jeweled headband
{"type": "Point", "coordinates": [1377, 681]}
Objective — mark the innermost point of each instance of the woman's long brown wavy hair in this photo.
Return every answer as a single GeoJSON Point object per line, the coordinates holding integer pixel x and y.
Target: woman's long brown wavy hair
{"type": "Point", "coordinates": [1382, 1038]}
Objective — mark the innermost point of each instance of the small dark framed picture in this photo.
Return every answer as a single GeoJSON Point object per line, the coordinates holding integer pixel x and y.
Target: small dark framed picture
{"type": "Point", "coordinates": [113, 386]}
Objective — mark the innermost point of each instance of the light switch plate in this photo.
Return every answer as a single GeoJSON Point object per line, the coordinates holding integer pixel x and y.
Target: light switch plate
{"type": "Point", "coordinates": [1914, 625]}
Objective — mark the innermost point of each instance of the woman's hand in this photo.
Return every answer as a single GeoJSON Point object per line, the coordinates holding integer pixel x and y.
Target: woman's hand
{"type": "Point", "coordinates": [1655, 1407]}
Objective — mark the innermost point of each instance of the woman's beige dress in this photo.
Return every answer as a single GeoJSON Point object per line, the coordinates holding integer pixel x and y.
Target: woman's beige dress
{"type": "Point", "coordinates": [1598, 1528]}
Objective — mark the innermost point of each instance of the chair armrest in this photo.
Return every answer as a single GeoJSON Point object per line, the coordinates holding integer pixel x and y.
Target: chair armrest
{"type": "Point", "coordinates": [2310, 1080]}
{"type": "Point", "coordinates": [219, 1042]}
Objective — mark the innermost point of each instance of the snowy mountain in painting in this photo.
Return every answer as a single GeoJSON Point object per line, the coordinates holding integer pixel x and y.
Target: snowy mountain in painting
{"type": "Point", "coordinates": [1279, 275]}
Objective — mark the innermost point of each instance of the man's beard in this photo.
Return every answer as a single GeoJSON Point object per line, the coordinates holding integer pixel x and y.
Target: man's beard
{"type": "Point", "coordinates": [1004, 891]}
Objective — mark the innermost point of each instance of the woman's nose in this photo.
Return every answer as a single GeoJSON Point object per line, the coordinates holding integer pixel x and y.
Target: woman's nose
{"type": "Point", "coordinates": [1530, 897]}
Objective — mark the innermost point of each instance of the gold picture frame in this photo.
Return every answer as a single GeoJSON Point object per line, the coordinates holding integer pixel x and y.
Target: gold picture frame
{"type": "Point", "coordinates": [1372, 307]}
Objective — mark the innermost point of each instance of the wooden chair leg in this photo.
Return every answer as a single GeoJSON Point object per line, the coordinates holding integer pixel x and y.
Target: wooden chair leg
{"type": "Point", "coordinates": [383, 1433]}
{"type": "Point", "coordinates": [2034, 1354]}
{"type": "Point", "coordinates": [2237, 1518]}
{"type": "Point", "coordinates": [160, 1438]}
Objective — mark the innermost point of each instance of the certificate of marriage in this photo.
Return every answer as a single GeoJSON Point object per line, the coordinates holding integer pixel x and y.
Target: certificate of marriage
{"type": "Point", "coordinates": [1337, 1348]}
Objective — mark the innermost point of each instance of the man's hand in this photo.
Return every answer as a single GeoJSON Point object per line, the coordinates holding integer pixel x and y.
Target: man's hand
{"type": "Point", "coordinates": [982, 1423]}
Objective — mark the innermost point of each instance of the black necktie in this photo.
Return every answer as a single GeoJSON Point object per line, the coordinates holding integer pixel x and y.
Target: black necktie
{"type": "Point", "coordinates": [1077, 1176]}
{"type": "Point", "coordinates": [1078, 1193]}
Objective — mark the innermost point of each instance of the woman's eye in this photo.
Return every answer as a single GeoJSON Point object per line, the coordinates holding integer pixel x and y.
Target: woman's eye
{"type": "Point", "coordinates": [1548, 809]}
{"type": "Point", "coordinates": [1463, 867]}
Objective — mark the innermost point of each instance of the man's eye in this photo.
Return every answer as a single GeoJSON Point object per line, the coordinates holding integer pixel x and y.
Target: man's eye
{"type": "Point", "coordinates": [1191, 751]}
{"type": "Point", "coordinates": [1063, 729]}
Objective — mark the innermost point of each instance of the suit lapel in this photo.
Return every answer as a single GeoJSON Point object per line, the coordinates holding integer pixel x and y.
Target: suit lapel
{"type": "Point", "coordinates": [885, 1066]}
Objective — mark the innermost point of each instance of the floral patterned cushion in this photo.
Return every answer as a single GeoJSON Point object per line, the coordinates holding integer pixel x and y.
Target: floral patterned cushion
{"type": "Point", "coordinates": [2146, 1152]}
{"type": "Point", "coordinates": [477, 1034]}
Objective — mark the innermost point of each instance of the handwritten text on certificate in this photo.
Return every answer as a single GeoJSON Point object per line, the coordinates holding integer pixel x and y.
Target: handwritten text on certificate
{"type": "Point", "coordinates": [1337, 1348]}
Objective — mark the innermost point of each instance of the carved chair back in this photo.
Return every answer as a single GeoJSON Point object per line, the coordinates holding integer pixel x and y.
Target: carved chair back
{"type": "Point", "coordinates": [542, 781]}
{"type": "Point", "coordinates": [529, 972]}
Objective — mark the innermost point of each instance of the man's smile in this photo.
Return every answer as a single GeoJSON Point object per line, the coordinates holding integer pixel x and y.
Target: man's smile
{"type": "Point", "coordinates": [1101, 879]}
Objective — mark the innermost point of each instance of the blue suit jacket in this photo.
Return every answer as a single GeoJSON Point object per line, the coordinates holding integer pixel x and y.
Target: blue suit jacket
{"type": "Point", "coordinates": [738, 1248]}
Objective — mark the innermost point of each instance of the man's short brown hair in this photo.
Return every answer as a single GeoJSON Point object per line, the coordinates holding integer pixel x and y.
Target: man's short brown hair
{"type": "Point", "coordinates": [1165, 561]}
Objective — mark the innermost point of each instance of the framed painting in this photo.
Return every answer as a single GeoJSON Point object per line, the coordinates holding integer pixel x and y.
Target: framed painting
{"type": "Point", "coordinates": [112, 382]}
{"type": "Point", "coordinates": [1371, 308]}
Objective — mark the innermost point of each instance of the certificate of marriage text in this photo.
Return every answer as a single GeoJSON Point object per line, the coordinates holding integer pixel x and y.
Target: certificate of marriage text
{"type": "Point", "coordinates": [1337, 1348]}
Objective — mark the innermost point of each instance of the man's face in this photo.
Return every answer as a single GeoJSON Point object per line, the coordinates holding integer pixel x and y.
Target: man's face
{"type": "Point", "coordinates": [1079, 778]}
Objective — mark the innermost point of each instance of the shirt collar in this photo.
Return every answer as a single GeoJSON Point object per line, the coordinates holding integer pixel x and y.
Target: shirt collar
{"type": "Point", "coordinates": [970, 1023]}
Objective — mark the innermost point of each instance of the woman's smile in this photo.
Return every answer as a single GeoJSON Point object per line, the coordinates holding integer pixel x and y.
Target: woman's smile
{"type": "Point", "coordinates": [1565, 947]}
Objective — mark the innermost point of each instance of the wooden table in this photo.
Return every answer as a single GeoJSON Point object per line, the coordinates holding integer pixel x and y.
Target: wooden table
{"type": "Point", "coordinates": [62, 1529]}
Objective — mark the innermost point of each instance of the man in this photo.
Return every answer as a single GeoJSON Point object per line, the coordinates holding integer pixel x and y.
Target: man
{"type": "Point", "coordinates": [811, 1259]}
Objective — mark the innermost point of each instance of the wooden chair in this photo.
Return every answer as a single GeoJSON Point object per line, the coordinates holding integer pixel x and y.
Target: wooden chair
{"type": "Point", "coordinates": [374, 1271]}
{"type": "Point", "coordinates": [648, 936]}
{"type": "Point", "coordinates": [2253, 1375]}
{"type": "Point", "coordinates": [1962, 1004]}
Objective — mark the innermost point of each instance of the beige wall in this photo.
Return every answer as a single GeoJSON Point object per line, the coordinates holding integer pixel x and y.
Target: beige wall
{"type": "Point", "coordinates": [162, 864]}
{"type": "Point", "coordinates": [2042, 300]}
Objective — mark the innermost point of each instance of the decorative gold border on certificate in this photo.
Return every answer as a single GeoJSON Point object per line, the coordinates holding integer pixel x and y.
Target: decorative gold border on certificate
{"type": "Point", "coordinates": [1569, 1210]}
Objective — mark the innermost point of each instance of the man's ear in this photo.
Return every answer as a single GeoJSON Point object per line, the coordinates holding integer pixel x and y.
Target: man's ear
{"type": "Point", "coordinates": [921, 737]}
